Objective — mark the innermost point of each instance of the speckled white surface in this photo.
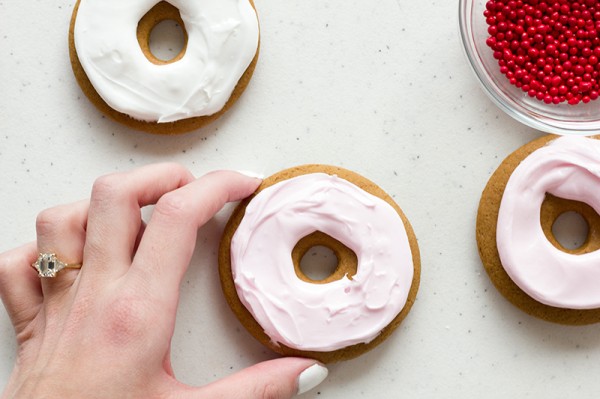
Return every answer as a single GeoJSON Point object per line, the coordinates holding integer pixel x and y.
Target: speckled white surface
{"type": "Point", "coordinates": [381, 88]}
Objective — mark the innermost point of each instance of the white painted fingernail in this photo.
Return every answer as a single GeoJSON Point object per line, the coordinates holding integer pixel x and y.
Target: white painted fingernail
{"type": "Point", "coordinates": [311, 377]}
{"type": "Point", "coordinates": [251, 174]}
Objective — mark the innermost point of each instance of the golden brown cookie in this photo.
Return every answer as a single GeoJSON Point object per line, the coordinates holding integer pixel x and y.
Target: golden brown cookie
{"type": "Point", "coordinates": [551, 209]}
{"type": "Point", "coordinates": [347, 264]}
{"type": "Point", "coordinates": [160, 12]}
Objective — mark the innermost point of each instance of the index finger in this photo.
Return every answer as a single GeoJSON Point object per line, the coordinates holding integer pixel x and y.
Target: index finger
{"type": "Point", "coordinates": [114, 218]}
{"type": "Point", "coordinates": [168, 242]}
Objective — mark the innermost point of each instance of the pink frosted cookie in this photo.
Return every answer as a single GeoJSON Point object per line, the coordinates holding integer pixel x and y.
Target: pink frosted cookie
{"type": "Point", "coordinates": [521, 202]}
{"type": "Point", "coordinates": [350, 311]}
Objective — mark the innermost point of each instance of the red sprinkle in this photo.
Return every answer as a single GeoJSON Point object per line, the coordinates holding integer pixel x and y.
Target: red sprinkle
{"type": "Point", "coordinates": [548, 48]}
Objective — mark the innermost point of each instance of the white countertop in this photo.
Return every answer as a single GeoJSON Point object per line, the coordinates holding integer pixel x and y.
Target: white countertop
{"type": "Point", "coordinates": [381, 88]}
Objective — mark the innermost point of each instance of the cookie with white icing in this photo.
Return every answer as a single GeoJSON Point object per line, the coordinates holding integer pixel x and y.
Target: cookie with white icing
{"type": "Point", "coordinates": [112, 62]}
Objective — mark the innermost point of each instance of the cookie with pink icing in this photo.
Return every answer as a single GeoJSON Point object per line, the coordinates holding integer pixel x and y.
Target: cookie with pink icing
{"type": "Point", "coordinates": [520, 204]}
{"type": "Point", "coordinates": [350, 311]}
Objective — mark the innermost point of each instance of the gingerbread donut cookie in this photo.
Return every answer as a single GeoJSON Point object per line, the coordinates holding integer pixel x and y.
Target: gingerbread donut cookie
{"type": "Point", "coordinates": [112, 62]}
{"type": "Point", "coordinates": [359, 304]}
{"type": "Point", "coordinates": [526, 194]}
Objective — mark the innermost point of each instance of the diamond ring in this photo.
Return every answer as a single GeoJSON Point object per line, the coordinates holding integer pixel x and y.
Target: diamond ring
{"type": "Point", "coordinates": [47, 265]}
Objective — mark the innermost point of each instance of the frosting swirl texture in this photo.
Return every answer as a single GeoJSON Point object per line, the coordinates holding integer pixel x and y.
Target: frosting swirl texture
{"type": "Point", "coordinates": [569, 168]}
{"type": "Point", "coordinates": [222, 41]}
{"type": "Point", "coordinates": [331, 316]}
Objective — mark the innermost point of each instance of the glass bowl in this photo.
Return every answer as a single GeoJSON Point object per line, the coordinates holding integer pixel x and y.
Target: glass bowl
{"type": "Point", "coordinates": [580, 119]}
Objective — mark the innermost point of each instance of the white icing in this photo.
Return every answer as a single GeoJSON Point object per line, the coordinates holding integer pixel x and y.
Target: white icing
{"type": "Point", "coordinates": [321, 317]}
{"type": "Point", "coordinates": [222, 41]}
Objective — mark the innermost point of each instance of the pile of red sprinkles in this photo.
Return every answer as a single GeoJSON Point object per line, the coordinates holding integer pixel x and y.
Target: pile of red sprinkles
{"type": "Point", "coordinates": [549, 49]}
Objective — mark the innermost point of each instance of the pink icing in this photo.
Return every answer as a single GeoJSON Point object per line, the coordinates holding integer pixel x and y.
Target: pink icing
{"type": "Point", "coordinates": [568, 167]}
{"type": "Point", "coordinates": [321, 317]}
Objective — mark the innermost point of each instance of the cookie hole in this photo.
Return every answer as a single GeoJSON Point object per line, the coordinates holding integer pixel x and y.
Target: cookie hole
{"type": "Point", "coordinates": [571, 230]}
{"type": "Point", "coordinates": [320, 259]}
{"type": "Point", "coordinates": [167, 40]}
{"type": "Point", "coordinates": [318, 263]}
{"type": "Point", "coordinates": [577, 232]}
{"type": "Point", "coordinates": [161, 34]}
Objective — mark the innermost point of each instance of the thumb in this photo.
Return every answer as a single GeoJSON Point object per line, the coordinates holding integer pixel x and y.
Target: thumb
{"type": "Point", "coordinates": [274, 379]}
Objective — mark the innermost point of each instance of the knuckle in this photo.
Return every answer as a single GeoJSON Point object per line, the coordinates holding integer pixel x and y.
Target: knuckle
{"type": "Point", "coordinates": [172, 206]}
{"type": "Point", "coordinates": [6, 262]}
{"type": "Point", "coordinates": [177, 169]}
{"type": "Point", "coordinates": [6, 265]}
{"type": "Point", "coordinates": [12, 263]}
{"type": "Point", "coordinates": [127, 320]}
{"type": "Point", "coordinates": [105, 186]}
{"type": "Point", "coordinates": [49, 219]}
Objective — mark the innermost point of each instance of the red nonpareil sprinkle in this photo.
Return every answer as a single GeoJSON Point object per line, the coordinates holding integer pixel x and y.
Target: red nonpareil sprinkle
{"type": "Point", "coordinates": [550, 49]}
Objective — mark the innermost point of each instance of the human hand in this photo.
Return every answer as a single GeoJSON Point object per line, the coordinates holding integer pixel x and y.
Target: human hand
{"type": "Point", "coordinates": [104, 331]}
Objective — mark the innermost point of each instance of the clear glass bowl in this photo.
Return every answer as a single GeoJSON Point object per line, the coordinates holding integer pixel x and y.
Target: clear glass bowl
{"type": "Point", "coordinates": [580, 119]}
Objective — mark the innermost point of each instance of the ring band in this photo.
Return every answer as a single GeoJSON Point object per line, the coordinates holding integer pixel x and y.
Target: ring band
{"type": "Point", "coordinates": [47, 265]}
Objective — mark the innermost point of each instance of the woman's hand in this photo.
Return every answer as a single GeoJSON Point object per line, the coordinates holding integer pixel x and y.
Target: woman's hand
{"type": "Point", "coordinates": [104, 331]}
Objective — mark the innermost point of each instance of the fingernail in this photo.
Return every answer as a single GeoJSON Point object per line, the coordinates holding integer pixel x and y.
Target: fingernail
{"type": "Point", "coordinates": [311, 377]}
{"type": "Point", "coordinates": [251, 174]}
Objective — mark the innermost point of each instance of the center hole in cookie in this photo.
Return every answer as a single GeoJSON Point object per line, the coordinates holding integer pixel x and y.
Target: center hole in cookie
{"type": "Point", "coordinates": [167, 40]}
{"type": "Point", "coordinates": [161, 34]}
{"type": "Point", "coordinates": [571, 226]}
{"type": "Point", "coordinates": [319, 258]}
{"type": "Point", "coordinates": [570, 230]}
{"type": "Point", "coordinates": [318, 263]}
